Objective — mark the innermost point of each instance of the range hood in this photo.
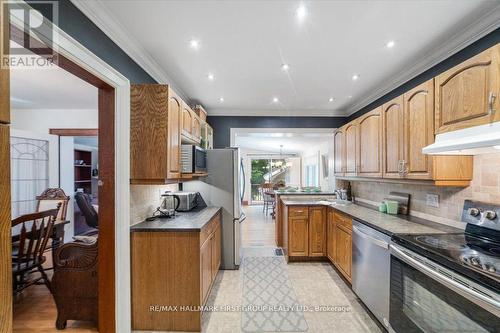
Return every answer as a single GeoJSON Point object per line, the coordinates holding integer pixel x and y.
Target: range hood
{"type": "Point", "coordinates": [475, 140]}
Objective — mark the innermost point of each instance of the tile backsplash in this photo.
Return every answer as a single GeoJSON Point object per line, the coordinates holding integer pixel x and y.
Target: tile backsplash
{"type": "Point", "coordinates": [485, 186]}
{"type": "Point", "coordinates": [144, 199]}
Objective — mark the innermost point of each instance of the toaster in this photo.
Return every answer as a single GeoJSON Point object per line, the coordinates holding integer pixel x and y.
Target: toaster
{"type": "Point", "coordinates": [187, 200]}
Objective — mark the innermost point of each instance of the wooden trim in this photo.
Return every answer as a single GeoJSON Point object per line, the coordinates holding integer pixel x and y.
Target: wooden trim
{"type": "Point", "coordinates": [452, 183]}
{"type": "Point", "coordinates": [5, 233]}
{"type": "Point", "coordinates": [74, 131]}
{"type": "Point", "coordinates": [106, 109]}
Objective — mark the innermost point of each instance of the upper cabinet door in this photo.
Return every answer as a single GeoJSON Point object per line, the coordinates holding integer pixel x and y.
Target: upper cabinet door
{"type": "Point", "coordinates": [370, 144]}
{"type": "Point", "coordinates": [468, 94]}
{"type": "Point", "coordinates": [392, 140]}
{"type": "Point", "coordinates": [418, 130]}
{"type": "Point", "coordinates": [174, 136]}
{"type": "Point", "coordinates": [351, 138]}
{"type": "Point", "coordinates": [196, 128]}
{"type": "Point", "coordinates": [187, 120]}
{"type": "Point", "coordinates": [339, 156]}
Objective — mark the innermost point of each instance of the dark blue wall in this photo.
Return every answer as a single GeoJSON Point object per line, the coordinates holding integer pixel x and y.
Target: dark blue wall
{"type": "Point", "coordinates": [223, 124]}
{"type": "Point", "coordinates": [78, 26]}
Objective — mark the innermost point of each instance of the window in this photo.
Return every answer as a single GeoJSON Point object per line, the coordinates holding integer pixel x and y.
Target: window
{"type": "Point", "coordinates": [312, 175]}
{"type": "Point", "coordinates": [29, 173]}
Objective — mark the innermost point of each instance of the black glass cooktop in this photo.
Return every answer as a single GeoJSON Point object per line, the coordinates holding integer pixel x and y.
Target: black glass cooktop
{"type": "Point", "coordinates": [467, 252]}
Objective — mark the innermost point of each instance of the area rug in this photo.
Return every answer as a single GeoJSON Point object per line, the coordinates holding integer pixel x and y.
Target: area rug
{"type": "Point", "coordinates": [270, 303]}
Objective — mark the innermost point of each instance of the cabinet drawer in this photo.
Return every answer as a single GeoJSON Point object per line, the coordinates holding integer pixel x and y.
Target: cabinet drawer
{"type": "Point", "coordinates": [298, 211]}
{"type": "Point", "coordinates": [343, 221]}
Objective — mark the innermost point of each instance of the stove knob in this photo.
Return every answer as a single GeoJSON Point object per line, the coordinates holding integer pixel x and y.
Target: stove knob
{"type": "Point", "coordinates": [475, 261]}
{"type": "Point", "coordinates": [490, 214]}
{"type": "Point", "coordinates": [473, 211]}
{"type": "Point", "coordinates": [490, 268]}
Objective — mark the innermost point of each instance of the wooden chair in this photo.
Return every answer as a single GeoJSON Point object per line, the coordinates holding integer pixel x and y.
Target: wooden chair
{"type": "Point", "coordinates": [50, 198]}
{"type": "Point", "coordinates": [29, 246]}
{"type": "Point", "coordinates": [75, 283]}
{"type": "Point", "coordinates": [267, 196]}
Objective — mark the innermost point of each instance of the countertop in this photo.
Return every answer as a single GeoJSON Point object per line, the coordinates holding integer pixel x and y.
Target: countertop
{"type": "Point", "coordinates": [388, 224]}
{"type": "Point", "coordinates": [302, 193]}
{"type": "Point", "coordinates": [193, 220]}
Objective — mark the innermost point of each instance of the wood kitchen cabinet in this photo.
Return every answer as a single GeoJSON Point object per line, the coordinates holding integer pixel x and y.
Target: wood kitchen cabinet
{"type": "Point", "coordinates": [306, 231]}
{"type": "Point", "coordinates": [343, 244]}
{"type": "Point", "coordinates": [317, 231]}
{"type": "Point", "coordinates": [154, 134]}
{"type": "Point", "coordinates": [339, 152]}
{"type": "Point", "coordinates": [330, 232]}
{"type": "Point", "coordinates": [468, 94]}
{"type": "Point", "coordinates": [351, 148]}
{"type": "Point", "coordinates": [173, 268]}
{"type": "Point", "coordinates": [370, 144]}
{"type": "Point", "coordinates": [298, 231]}
{"type": "Point", "coordinates": [187, 121]}
{"type": "Point", "coordinates": [196, 135]}
{"type": "Point", "coordinates": [392, 138]}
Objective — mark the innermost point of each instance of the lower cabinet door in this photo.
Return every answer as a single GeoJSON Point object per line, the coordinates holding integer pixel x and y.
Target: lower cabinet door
{"type": "Point", "coordinates": [216, 251]}
{"type": "Point", "coordinates": [317, 231]}
{"type": "Point", "coordinates": [344, 252]}
{"type": "Point", "coordinates": [330, 231]}
{"type": "Point", "coordinates": [206, 268]}
{"type": "Point", "coordinates": [298, 241]}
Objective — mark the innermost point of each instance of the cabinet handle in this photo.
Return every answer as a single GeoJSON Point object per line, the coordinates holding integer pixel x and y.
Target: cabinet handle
{"type": "Point", "coordinates": [491, 101]}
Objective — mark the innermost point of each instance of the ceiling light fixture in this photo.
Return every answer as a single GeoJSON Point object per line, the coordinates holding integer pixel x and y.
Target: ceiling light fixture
{"type": "Point", "coordinates": [275, 100]}
{"type": "Point", "coordinates": [350, 96]}
{"type": "Point", "coordinates": [301, 12]}
{"type": "Point", "coordinates": [355, 77]}
{"type": "Point", "coordinates": [390, 44]}
{"type": "Point", "coordinates": [330, 100]}
{"type": "Point", "coordinates": [496, 147]}
{"type": "Point", "coordinates": [285, 67]}
{"type": "Point", "coordinates": [221, 99]}
{"type": "Point", "coordinates": [211, 77]}
{"type": "Point", "coordinates": [194, 43]}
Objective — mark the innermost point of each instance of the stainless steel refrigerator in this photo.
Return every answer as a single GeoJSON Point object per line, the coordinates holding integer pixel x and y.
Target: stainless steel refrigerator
{"type": "Point", "coordinates": [224, 186]}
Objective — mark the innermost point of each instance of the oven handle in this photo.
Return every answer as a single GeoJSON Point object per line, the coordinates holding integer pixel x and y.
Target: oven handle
{"type": "Point", "coordinates": [483, 301]}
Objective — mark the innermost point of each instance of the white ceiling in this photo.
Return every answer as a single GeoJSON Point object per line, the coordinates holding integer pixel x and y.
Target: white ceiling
{"type": "Point", "coordinates": [244, 44]}
{"type": "Point", "coordinates": [50, 88]}
{"type": "Point", "coordinates": [293, 142]}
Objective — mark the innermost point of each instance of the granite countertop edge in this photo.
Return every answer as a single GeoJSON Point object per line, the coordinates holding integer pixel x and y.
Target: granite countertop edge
{"type": "Point", "coordinates": [405, 224]}
{"type": "Point", "coordinates": [192, 221]}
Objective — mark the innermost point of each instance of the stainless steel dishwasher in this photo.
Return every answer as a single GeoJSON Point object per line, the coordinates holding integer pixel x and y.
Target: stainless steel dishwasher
{"type": "Point", "coordinates": [371, 260]}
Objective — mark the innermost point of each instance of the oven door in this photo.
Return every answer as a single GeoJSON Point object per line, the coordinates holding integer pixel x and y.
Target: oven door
{"type": "Point", "coordinates": [426, 297]}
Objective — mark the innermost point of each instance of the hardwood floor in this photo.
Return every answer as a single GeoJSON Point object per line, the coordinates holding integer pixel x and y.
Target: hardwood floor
{"type": "Point", "coordinates": [258, 228]}
{"type": "Point", "coordinates": [35, 311]}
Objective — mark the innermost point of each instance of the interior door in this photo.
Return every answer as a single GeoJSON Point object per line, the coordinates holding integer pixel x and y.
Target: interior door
{"type": "Point", "coordinates": [418, 130]}
{"type": "Point", "coordinates": [392, 120]}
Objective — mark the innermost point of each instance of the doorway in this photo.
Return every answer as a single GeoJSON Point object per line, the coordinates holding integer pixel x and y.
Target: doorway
{"type": "Point", "coordinates": [113, 106]}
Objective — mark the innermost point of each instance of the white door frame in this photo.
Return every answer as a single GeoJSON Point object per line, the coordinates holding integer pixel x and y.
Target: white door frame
{"type": "Point", "coordinates": [68, 47]}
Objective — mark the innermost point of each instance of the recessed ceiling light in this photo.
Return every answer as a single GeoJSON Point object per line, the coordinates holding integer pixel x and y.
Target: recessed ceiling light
{"type": "Point", "coordinates": [330, 99]}
{"type": "Point", "coordinates": [211, 77]}
{"type": "Point", "coordinates": [301, 12]}
{"type": "Point", "coordinates": [285, 67]}
{"type": "Point", "coordinates": [350, 96]}
{"type": "Point", "coordinates": [355, 77]}
{"type": "Point", "coordinates": [194, 43]}
{"type": "Point", "coordinates": [221, 99]}
{"type": "Point", "coordinates": [390, 44]}
{"type": "Point", "coordinates": [275, 100]}
{"type": "Point", "coordinates": [496, 147]}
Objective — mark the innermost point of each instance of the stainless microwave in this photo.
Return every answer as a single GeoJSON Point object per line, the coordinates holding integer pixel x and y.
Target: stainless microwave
{"type": "Point", "coordinates": [193, 159]}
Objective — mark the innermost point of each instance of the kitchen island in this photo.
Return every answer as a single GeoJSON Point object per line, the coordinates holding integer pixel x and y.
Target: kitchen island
{"type": "Point", "coordinates": [174, 262]}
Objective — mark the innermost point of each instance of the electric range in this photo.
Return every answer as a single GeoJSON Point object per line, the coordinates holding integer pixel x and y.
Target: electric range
{"type": "Point", "coordinates": [448, 282]}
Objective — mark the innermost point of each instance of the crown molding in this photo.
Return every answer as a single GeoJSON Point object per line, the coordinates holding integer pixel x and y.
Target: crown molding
{"type": "Point", "coordinates": [461, 39]}
{"type": "Point", "coordinates": [104, 20]}
{"type": "Point", "coordinates": [276, 113]}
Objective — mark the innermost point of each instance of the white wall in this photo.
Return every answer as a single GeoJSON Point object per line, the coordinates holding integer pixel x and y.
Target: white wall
{"type": "Point", "coordinates": [41, 120]}
{"type": "Point", "coordinates": [313, 156]}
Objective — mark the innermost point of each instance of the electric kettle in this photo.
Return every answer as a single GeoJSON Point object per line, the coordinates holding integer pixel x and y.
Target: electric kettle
{"type": "Point", "coordinates": [169, 203]}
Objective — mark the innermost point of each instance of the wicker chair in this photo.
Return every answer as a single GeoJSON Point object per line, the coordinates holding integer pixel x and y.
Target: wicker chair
{"type": "Point", "coordinates": [75, 283]}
